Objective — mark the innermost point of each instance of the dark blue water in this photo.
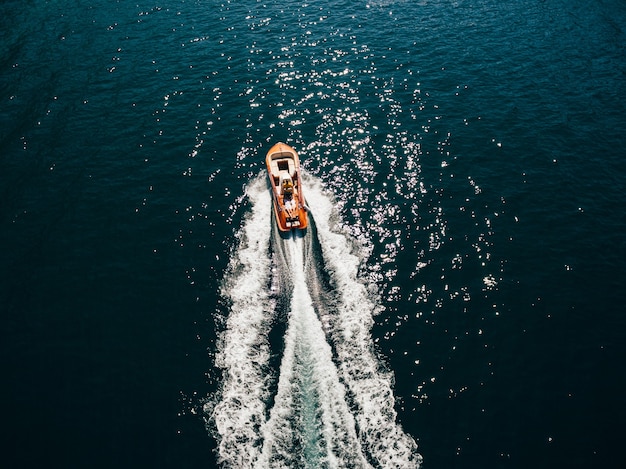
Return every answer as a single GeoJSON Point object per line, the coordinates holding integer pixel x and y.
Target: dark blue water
{"type": "Point", "coordinates": [467, 282]}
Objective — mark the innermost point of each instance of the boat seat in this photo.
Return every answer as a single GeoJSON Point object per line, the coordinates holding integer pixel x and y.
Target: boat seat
{"type": "Point", "coordinates": [282, 165]}
{"type": "Point", "coordinates": [274, 168]}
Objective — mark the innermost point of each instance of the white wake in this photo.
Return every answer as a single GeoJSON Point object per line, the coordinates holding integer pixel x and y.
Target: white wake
{"type": "Point", "coordinates": [310, 404]}
{"type": "Point", "coordinates": [333, 406]}
{"type": "Point", "coordinates": [381, 437]}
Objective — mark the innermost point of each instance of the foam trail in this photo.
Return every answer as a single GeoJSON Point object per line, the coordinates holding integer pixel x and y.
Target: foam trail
{"type": "Point", "coordinates": [243, 352]}
{"type": "Point", "coordinates": [380, 435]}
{"type": "Point", "coordinates": [310, 424]}
{"type": "Point", "coordinates": [333, 407]}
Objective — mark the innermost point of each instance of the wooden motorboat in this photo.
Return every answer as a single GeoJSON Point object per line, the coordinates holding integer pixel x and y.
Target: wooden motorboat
{"type": "Point", "coordinates": [283, 170]}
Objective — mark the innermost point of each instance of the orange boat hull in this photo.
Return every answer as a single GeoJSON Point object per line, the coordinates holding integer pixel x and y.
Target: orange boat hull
{"type": "Point", "coordinates": [283, 171]}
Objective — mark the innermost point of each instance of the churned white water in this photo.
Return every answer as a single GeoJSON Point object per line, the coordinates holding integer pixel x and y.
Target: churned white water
{"type": "Point", "coordinates": [333, 404]}
{"type": "Point", "coordinates": [244, 350]}
{"type": "Point", "coordinates": [381, 436]}
{"type": "Point", "coordinates": [310, 411]}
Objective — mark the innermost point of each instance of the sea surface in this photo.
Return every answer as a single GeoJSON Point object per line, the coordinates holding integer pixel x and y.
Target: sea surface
{"type": "Point", "coordinates": [457, 301]}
